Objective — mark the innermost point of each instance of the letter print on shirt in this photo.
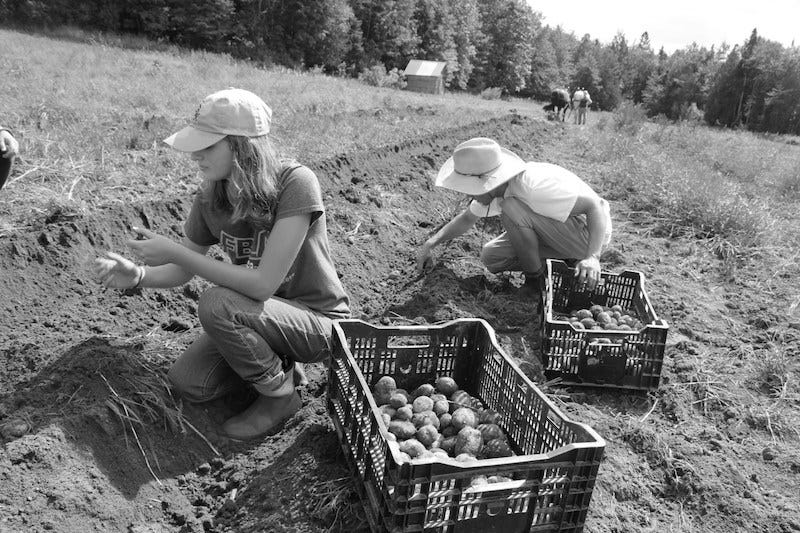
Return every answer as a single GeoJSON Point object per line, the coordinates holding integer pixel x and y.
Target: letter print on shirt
{"type": "Point", "coordinates": [244, 249]}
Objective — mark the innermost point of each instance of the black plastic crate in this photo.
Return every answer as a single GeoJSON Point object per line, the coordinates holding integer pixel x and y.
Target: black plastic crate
{"type": "Point", "coordinates": [601, 357]}
{"type": "Point", "coordinates": [553, 473]}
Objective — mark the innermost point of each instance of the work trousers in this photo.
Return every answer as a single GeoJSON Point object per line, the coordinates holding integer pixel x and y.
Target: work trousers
{"type": "Point", "coordinates": [245, 341]}
{"type": "Point", "coordinates": [552, 239]}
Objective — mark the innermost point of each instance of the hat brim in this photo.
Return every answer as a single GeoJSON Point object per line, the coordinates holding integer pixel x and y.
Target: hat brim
{"type": "Point", "coordinates": [190, 139]}
{"type": "Point", "coordinates": [510, 166]}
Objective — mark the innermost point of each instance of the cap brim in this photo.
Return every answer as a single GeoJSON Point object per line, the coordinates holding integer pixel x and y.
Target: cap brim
{"type": "Point", "coordinates": [190, 139]}
{"type": "Point", "coordinates": [448, 178]}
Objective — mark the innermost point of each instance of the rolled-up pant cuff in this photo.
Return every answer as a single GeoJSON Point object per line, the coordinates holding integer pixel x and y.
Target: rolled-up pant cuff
{"type": "Point", "coordinates": [282, 384]}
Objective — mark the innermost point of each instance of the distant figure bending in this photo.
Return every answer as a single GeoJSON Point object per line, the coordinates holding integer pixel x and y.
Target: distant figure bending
{"type": "Point", "coordinates": [559, 103]}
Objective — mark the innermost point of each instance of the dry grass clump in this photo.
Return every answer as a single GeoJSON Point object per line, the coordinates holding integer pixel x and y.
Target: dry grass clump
{"type": "Point", "coordinates": [628, 118]}
{"type": "Point", "coordinates": [707, 385]}
{"type": "Point", "coordinates": [788, 184]}
{"type": "Point", "coordinates": [337, 504]}
{"type": "Point", "coordinates": [680, 473]}
{"type": "Point", "coordinates": [142, 397]}
{"type": "Point", "coordinates": [775, 373]}
{"type": "Point", "coordinates": [772, 371]}
{"type": "Point", "coordinates": [766, 399]}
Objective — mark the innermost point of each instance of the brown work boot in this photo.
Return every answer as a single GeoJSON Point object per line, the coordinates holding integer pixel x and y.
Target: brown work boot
{"type": "Point", "coordinates": [265, 416]}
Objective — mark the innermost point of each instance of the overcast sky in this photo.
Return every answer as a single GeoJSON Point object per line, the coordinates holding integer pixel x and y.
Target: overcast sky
{"type": "Point", "coordinates": [675, 24]}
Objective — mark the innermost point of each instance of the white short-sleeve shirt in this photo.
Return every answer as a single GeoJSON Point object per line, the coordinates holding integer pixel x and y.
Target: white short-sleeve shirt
{"type": "Point", "coordinates": [548, 189]}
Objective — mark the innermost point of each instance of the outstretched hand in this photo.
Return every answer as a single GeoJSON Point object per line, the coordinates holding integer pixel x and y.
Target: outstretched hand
{"type": "Point", "coordinates": [153, 249]}
{"type": "Point", "coordinates": [115, 271]}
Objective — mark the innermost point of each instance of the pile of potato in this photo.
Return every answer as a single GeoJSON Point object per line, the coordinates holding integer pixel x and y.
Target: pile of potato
{"type": "Point", "coordinates": [603, 317]}
{"type": "Point", "coordinates": [440, 421]}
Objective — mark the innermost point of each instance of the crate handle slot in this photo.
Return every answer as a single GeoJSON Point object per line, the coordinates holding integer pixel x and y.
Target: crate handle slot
{"type": "Point", "coordinates": [611, 344]}
{"type": "Point", "coordinates": [495, 508]}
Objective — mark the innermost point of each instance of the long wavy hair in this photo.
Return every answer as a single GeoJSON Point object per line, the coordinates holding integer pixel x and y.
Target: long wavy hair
{"type": "Point", "coordinates": [251, 190]}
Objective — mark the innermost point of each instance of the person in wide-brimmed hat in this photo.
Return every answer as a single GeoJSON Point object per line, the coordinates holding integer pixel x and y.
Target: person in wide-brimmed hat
{"type": "Point", "coordinates": [546, 212]}
{"type": "Point", "coordinates": [9, 148]}
{"type": "Point", "coordinates": [274, 303]}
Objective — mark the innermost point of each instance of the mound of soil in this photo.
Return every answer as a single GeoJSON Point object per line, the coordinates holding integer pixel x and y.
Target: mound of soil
{"type": "Point", "coordinates": [93, 440]}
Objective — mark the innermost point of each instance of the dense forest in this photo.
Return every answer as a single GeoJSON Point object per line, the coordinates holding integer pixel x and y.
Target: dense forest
{"type": "Point", "coordinates": [501, 45]}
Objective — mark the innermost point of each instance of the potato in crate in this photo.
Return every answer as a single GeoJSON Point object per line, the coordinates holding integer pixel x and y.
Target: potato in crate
{"type": "Point", "coordinates": [608, 337]}
{"type": "Point", "coordinates": [499, 456]}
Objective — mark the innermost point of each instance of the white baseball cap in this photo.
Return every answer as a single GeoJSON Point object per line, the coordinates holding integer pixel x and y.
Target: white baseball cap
{"type": "Point", "coordinates": [227, 112]}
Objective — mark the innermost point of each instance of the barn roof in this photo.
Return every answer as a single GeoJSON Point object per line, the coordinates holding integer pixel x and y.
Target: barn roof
{"type": "Point", "coordinates": [418, 67]}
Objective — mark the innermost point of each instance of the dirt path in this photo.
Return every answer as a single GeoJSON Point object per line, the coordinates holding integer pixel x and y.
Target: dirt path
{"type": "Point", "coordinates": [79, 364]}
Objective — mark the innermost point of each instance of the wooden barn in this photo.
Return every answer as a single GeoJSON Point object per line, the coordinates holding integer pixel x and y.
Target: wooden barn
{"type": "Point", "coordinates": [425, 76]}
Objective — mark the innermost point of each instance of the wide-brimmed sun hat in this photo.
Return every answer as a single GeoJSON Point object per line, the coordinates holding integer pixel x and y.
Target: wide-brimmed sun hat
{"type": "Point", "coordinates": [478, 166]}
{"type": "Point", "coordinates": [227, 112]}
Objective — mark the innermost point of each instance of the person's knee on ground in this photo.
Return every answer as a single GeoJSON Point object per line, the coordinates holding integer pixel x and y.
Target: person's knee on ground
{"type": "Point", "coordinates": [201, 374]}
{"type": "Point", "coordinates": [190, 390]}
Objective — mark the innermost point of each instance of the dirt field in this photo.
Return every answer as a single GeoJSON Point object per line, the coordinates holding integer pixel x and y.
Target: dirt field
{"type": "Point", "coordinates": [93, 442]}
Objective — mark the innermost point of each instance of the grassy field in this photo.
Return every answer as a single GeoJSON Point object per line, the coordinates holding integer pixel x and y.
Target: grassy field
{"type": "Point", "coordinates": [91, 118]}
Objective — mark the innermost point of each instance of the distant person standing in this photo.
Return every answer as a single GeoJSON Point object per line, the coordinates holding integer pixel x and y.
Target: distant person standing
{"type": "Point", "coordinates": [9, 148]}
{"type": "Point", "coordinates": [581, 102]}
{"type": "Point", "coordinates": [577, 98]}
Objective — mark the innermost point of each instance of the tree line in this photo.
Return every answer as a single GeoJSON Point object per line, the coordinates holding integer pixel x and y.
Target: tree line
{"type": "Point", "coordinates": [497, 44]}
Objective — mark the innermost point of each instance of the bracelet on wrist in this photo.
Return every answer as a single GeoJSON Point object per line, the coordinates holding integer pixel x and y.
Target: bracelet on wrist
{"type": "Point", "coordinates": [140, 279]}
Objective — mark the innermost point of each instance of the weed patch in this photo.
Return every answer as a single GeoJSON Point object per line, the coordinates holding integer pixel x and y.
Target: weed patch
{"type": "Point", "coordinates": [679, 473]}
{"type": "Point", "coordinates": [664, 169]}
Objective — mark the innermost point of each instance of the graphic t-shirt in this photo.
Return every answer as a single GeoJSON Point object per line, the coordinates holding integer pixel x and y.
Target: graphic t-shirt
{"type": "Point", "coordinates": [312, 278]}
{"type": "Point", "coordinates": [549, 190]}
